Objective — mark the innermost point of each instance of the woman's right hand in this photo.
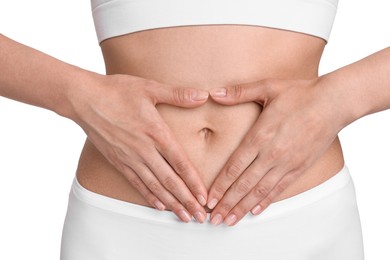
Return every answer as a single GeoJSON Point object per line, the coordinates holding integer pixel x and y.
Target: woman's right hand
{"type": "Point", "coordinates": [119, 115]}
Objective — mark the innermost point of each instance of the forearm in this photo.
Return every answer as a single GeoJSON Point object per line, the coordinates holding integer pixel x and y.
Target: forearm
{"type": "Point", "coordinates": [118, 114]}
{"type": "Point", "coordinates": [32, 77]}
{"type": "Point", "coordinates": [361, 88]}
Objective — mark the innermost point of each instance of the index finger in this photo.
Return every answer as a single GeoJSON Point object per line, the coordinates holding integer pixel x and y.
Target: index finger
{"type": "Point", "coordinates": [175, 155]}
{"type": "Point", "coordinates": [177, 96]}
{"type": "Point", "coordinates": [259, 92]}
{"type": "Point", "coordinates": [238, 162]}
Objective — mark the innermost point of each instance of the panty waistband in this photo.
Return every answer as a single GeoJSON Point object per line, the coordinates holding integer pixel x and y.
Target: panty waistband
{"type": "Point", "coordinates": [317, 193]}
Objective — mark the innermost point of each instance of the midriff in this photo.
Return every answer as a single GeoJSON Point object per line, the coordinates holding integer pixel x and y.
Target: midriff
{"type": "Point", "coordinates": [207, 57]}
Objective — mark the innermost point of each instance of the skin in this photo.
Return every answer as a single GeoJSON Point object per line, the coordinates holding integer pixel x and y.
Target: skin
{"type": "Point", "coordinates": [203, 57]}
{"type": "Point", "coordinates": [354, 91]}
{"type": "Point", "coordinates": [35, 78]}
{"type": "Point", "coordinates": [262, 168]}
{"type": "Point", "coordinates": [349, 93]}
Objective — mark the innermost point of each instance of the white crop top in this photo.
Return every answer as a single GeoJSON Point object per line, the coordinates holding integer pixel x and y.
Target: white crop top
{"type": "Point", "coordinates": [118, 17]}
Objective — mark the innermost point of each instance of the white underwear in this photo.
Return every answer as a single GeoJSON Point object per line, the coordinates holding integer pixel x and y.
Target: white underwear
{"type": "Point", "coordinates": [319, 224]}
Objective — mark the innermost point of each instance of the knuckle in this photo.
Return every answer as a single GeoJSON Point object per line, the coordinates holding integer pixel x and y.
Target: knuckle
{"type": "Point", "coordinates": [233, 170]}
{"type": "Point", "coordinates": [291, 163]}
{"type": "Point", "coordinates": [156, 131]}
{"type": "Point", "coordinates": [190, 205]}
{"type": "Point", "coordinates": [180, 94]}
{"type": "Point", "coordinates": [219, 190]}
{"type": "Point", "coordinates": [175, 206]}
{"type": "Point", "coordinates": [136, 183]}
{"type": "Point", "coordinates": [153, 163]}
{"type": "Point", "coordinates": [268, 83]}
{"type": "Point", "coordinates": [119, 166]}
{"type": "Point", "coordinates": [194, 188]}
{"type": "Point", "coordinates": [147, 82]}
{"type": "Point", "coordinates": [280, 187]}
{"type": "Point", "coordinates": [150, 197]}
{"type": "Point", "coordinates": [182, 168]}
{"type": "Point", "coordinates": [266, 202]}
{"type": "Point", "coordinates": [148, 87]}
{"type": "Point", "coordinates": [275, 153]}
{"type": "Point", "coordinates": [250, 139]}
{"type": "Point", "coordinates": [240, 211]}
{"type": "Point", "coordinates": [112, 157]}
{"type": "Point", "coordinates": [256, 139]}
{"type": "Point", "coordinates": [260, 138]}
{"type": "Point", "coordinates": [170, 184]}
{"type": "Point", "coordinates": [154, 186]}
{"type": "Point", "coordinates": [236, 91]}
{"type": "Point", "coordinates": [271, 86]}
{"type": "Point", "coordinates": [243, 187]}
{"type": "Point", "coordinates": [225, 206]}
{"type": "Point", "coordinates": [260, 191]}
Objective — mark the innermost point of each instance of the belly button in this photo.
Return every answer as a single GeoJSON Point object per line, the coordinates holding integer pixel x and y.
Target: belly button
{"type": "Point", "coordinates": [206, 132]}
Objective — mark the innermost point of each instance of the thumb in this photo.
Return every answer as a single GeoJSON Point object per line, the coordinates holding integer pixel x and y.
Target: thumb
{"type": "Point", "coordinates": [179, 96]}
{"type": "Point", "coordinates": [258, 92]}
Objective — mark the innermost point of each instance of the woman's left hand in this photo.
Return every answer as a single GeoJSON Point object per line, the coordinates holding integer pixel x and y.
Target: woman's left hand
{"type": "Point", "coordinates": [300, 120]}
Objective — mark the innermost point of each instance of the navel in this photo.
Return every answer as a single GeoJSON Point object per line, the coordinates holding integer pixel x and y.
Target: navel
{"type": "Point", "coordinates": [206, 133]}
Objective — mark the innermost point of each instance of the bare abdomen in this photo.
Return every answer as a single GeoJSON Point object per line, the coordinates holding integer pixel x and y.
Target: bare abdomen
{"type": "Point", "coordinates": [207, 57]}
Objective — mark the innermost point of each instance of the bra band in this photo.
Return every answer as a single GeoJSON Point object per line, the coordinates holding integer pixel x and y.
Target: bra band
{"type": "Point", "coordinates": [118, 17]}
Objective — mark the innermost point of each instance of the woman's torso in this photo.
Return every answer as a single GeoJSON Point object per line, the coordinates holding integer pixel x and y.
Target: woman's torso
{"type": "Point", "coordinates": [207, 57]}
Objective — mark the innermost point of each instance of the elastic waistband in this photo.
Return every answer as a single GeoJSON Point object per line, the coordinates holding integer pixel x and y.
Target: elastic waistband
{"type": "Point", "coordinates": [335, 183]}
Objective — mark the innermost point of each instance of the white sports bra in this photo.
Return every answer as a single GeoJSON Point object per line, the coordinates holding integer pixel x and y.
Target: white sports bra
{"type": "Point", "coordinates": [118, 17]}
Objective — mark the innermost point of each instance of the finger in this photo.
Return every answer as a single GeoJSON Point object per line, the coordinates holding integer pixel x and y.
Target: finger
{"type": "Point", "coordinates": [175, 155]}
{"type": "Point", "coordinates": [232, 170]}
{"type": "Point", "coordinates": [276, 191]}
{"type": "Point", "coordinates": [159, 190]}
{"type": "Point", "coordinates": [175, 185]}
{"type": "Point", "coordinates": [241, 158]}
{"type": "Point", "coordinates": [177, 96]}
{"type": "Point", "coordinates": [240, 189]}
{"type": "Point", "coordinates": [260, 192]}
{"type": "Point", "coordinates": [137, 183]}
{"type": "Point", "coordinates": [242, 93]}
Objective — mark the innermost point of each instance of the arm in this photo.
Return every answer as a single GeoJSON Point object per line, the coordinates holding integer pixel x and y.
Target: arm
{"type": "Point", "coordinates": [32, 77]}
{"type": "Point", "coordinates": [362, 88]}
{"type": "Point", "coordinates": [119, 116]}
{"type": "Point", "coordinates": [267, 161]}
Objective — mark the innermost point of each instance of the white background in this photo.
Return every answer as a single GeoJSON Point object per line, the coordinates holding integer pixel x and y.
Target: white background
{"type": "Point", "coordinates": [39, 150]}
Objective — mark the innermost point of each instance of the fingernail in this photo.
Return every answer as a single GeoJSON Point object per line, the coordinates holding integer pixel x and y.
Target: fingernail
{"type": "Point", "coordinates": [231, 219]}
{"type": "Point", "coordinates": [184, 216]}
{"type": "Point", "coordinates": [159, 205]}
{"type": "Point", "coordinates": [199, 95]}
{"type": "Point", "coordinates": [200, 217]}
{"type": "Point", "coordinates": [218, 92]}
{"type": "Point", "coordinates": [201, 200]}
{"type": "Point", "coordinates": [216, 220]}
{"type": "Point", "coordinates": [256, 210]}
{"type": "Point", "coordinates": [212, 203]}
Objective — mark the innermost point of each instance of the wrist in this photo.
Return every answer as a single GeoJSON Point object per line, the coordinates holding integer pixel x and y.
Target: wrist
{"type": "Point", "coordinates": [341, 104]}
{"type": "Point", "coordinates": [361, 88]}
{"type": "Point", "coordinates": [79, 88]}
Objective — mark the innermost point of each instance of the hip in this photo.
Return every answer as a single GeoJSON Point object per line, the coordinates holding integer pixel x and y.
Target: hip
{"type": "Point", "coordinates": [96, 174]}
{"type": "Point", "coordinates": [320, 223]}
